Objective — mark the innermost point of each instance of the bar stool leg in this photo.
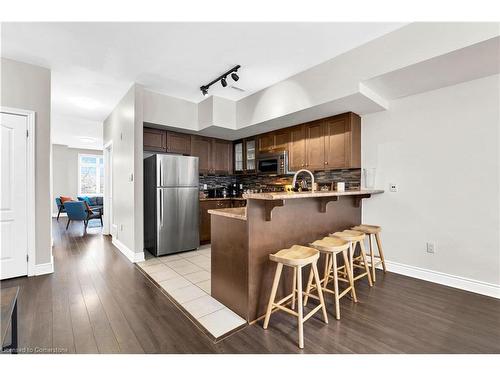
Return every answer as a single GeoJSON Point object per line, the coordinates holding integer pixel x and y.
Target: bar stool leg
{"type": "Point", "coordinates": [349, 277]}
{"type": "Point", "coordinates": [320, 292]}
{"type": "Point", "coordinates": [336, 287]}
{"type": "Point", "coordinates": [380, 251]}
{"type": "Point", "coordinates": [351, 263]}
{"type": "Point", "coordinates": [372, 256]}
{"type": "Point", "coordinates": [293, 288]}
{"type": "Point", "coordinates": [300, 317]}
{"type": "Point", "coordinates": [276, 281]}
{"type": "Point", "coordinates": [328, 269]}
{"type": "Point", "coordinates": [367, 269]}
{"type": "Point", "coordinates": [309, 287]}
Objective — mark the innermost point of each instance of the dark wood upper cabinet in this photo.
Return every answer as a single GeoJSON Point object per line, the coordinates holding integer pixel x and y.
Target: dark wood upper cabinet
{"type": "Point", "coordinates": [238, 157]}
{"type": "Point", "coordinates": [222, 161]}
{"type": "Point", "coordinates": [154, 140]}
{"type": "Point", "coordinates": [315, 146]}
{"type": "Point", "coordinates": [178, 143]}
{"type": "Point", "coordinates": [343, 141]}
{"type": "Point", "coordinates": [329, 143]}
{"type": "Point", "coordinates": [202, 148]}
{"type": "Point", "coordinates": [273, 142]}
{"type": "Point", "coordinates": [297, 148]}
{"type": "Point", "coordinates": [265, 143]}
{"type": "Point", "coordinates": [244, 154]}
{"type": "Point", "coordinates": [336, 143]}
{"type": "Point", "coordinates": [281, 140]}
{"type": "Point", "coordinates": [250, 155]}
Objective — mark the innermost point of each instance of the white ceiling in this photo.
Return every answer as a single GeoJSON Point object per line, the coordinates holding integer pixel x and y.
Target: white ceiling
{"type": "Point", "coordinates": [93, 64]}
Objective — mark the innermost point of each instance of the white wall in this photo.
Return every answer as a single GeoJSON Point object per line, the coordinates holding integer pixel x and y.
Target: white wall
{"type": "Point", "coordinates": [26, 86]}
{"type": "Point", "coordinates": [124, 128]}
{"type": "Point", "coordinates": [442, 149]}
{"type": "Point", "coordinates": [169, 111]}
{"type": "Point", "coordinates": [65, 171]}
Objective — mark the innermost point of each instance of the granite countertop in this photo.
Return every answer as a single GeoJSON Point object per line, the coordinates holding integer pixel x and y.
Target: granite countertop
{"type": "Point", "coordinates": [223, 199]}
{"type": "Point", "coordinates": [309, 194]}
{"type": "Point", "coordinates": [239, 213]}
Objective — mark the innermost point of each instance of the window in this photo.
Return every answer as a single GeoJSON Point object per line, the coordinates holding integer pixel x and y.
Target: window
{"type": "Point", "coordinates": [90, 174]}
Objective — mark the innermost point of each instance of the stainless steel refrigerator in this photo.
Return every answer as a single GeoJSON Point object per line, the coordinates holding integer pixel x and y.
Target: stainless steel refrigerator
{"type": "Point", "coordinates": [171, 204]}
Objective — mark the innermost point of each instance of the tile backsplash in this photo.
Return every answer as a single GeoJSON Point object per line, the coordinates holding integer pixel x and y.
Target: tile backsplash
{"type": "Point", "coordinates": [351, 177]}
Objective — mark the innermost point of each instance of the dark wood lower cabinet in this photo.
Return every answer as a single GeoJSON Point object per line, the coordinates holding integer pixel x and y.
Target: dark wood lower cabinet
{"type": "Point", "coordinates": [213, 204]}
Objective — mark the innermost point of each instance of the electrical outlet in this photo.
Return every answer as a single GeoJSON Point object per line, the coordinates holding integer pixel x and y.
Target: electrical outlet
{"type": "Point", "coordinates": [393, 188]}
{"type": "Point", "coordinates": [431, 247]}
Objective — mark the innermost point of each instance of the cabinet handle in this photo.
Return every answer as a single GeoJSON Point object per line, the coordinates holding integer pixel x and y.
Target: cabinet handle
{"type": "Point", "coordinates": [326, 162]}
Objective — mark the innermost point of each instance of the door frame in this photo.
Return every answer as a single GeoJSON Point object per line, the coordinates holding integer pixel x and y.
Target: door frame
{"type": "Point", "coordinates": [30, 182]}
{"type": "Point", "coordinates": [108, 180]}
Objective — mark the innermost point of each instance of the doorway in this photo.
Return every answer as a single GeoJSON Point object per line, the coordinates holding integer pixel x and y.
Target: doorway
{"type": "Point", "coordinates": [17, 193]}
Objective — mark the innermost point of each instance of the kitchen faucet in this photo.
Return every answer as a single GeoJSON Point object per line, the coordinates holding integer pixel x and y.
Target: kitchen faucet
{"type": "Point", "coordinates": [300, 171]}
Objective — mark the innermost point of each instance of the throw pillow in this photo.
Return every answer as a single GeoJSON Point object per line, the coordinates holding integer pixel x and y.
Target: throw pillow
{"type": "Point", "coordinates": [65, 199]}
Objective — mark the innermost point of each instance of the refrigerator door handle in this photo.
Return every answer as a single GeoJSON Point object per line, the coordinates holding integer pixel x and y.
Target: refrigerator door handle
{"type": "Point", "coordinates": [160, 173]}
{"type": "Point", "coordinates": [161, 207]}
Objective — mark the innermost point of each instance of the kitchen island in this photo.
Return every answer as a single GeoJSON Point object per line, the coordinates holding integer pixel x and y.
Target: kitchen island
{"type": "Point", "coordinates": [243, 238]}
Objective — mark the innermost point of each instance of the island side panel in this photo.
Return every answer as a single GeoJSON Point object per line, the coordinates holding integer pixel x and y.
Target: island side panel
{"type": "Point", "coordinates": [229, 269]}
{"type": "Point", "coordinates": [299, 222]}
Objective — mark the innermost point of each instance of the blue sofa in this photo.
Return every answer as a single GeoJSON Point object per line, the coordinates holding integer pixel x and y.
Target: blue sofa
{"type": "Point", "coordinates": [92, 201]}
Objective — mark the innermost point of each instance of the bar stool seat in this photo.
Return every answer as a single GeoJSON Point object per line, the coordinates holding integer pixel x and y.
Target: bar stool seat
{"type": "Point", "coordinates": [296, 257]}
{"type": "Point", "coordinates": [331, 247]}
{"type": "Point", "coordinates": [374, 259]}
{"type": "Point", "coordinates": [356, 237]}
{"type": "Point", "coordinates": [367, 229]}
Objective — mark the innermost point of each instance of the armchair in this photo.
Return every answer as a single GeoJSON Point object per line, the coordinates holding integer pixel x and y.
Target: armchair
{"type": "Point", "coordinates": [80, 211]}
{"type": "Point", "coordinates": [60, 207]}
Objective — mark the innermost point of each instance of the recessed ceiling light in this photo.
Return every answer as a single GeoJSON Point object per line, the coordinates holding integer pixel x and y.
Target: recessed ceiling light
{"type": "Point", "coordinates": [86, 103]}
{"type": "Point", "coordinates": [88, 139]}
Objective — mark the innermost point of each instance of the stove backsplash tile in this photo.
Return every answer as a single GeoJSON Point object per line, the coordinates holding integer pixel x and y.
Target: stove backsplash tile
{"type": "Point", "coordinates": [351, 177]}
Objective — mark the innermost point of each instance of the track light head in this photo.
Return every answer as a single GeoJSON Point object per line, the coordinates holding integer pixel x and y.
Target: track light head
{"type": "Point", "coordinates": [223, 82]}
{"type": "Point", "coordinates": [204, 90]}
{"type": "Point", "coordinates": [235, 76]}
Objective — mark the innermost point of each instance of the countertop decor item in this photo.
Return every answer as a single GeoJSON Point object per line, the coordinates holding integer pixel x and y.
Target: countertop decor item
{"type": "Point", "coordinates": [370, 177]}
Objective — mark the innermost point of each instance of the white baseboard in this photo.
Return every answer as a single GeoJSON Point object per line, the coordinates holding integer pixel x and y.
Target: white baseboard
{"type": "Point", "coordinates": [131, 255]}
{"type": "Point", "coordinates": [471, 285]}
{"type": "Point", "coordinates": [44, 268]}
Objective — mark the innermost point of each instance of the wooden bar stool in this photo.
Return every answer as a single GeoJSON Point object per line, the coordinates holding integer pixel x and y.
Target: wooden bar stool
{"type": "Point", "coordinates": [295, 257]}
{"type": "Point", "coordinates": [355, 237]}
{"type": "Point", "coordinates": [331, 247]}
{"type": "Point", "coordinates": [375, 260]}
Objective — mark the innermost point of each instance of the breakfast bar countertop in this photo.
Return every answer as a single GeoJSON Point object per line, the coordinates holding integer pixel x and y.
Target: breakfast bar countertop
{"type": "Point", "coordinates": [239, 213]}
{"type": "Point", "coordinates": [309, 194]}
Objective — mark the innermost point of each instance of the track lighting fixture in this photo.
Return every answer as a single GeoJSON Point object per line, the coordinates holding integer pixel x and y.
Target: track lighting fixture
{"type": "Point", "coordinates": [222, 78]}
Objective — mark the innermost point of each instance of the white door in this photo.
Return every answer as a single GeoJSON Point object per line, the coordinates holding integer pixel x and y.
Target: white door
{"type": "Point", "coordinates": [13, 196]}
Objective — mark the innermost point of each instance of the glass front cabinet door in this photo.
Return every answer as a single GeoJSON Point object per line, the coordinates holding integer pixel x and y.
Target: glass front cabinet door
{"type": "Point", "coordinates": [250, 155]}
{"type": "Point", "coordinates": [238, 157]}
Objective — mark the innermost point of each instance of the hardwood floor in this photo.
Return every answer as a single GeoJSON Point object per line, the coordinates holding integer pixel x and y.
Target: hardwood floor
{"type": "Point", "coordinates": [96, 301]}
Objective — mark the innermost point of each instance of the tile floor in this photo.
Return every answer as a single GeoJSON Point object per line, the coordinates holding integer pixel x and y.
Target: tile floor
{"type": "Point", "coordinates": [186, 278]}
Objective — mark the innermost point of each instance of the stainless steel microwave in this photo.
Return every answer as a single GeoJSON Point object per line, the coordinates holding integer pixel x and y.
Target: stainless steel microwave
{"type": "Point", "coordinates": [275, 163]}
